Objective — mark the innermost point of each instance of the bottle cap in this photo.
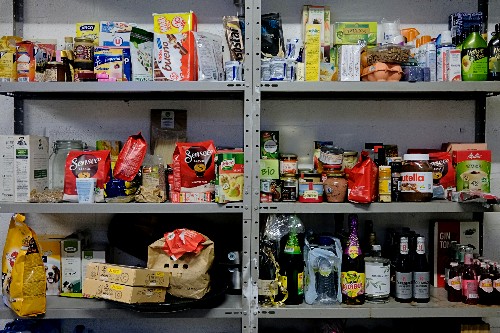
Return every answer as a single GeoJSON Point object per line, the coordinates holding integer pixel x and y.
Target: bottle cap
{"type": "Point", "coordinates": [446, 37]}
{"type": "Point", "coordinates": [68, 39]}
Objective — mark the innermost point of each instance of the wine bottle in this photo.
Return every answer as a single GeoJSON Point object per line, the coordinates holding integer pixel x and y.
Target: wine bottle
{"type": "Point", "coordinates": [421, 273]}
{"type": "Point", "coordinates": [292, 269]}
{"type": "Point", "coordinates": [403, 269]}
{"type": "Point", "coordinates": [353, 267]}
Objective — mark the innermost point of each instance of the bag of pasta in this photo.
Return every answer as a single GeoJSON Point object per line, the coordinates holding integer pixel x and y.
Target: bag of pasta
{"type": "Point", "coordinates": [23, 272]}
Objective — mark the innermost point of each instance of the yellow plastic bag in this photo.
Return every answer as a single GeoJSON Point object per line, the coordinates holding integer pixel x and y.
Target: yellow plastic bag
{"type": "Point", "coordinates": [23, 273]}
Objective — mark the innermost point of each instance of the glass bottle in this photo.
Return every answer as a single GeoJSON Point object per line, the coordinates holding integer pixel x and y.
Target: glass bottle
{"type": "Point", "coordinates": [494, 55]}
{"type": "Point", "coordinates": [474, 57]}
{"type": "Point", "coordinates": [451, 256]}
{"type": "Point", "coordinates": [292, 269]}
{"type": "Point", "coordinates": [267, 285]}
{"type": "Point", "coordinates": [454, 285]}
{"type": "Point", "coordinates": [485, 290]}
{"type": "Point", "coordinates": [496, 284]}
{"type": "Point", "coordinates": [395, 180]}
{"type": "Point", "coordinates": [60, 152]}
{"type": "Point", "coordinates": [334, 184]}
{"type": "Point", "coordinates": [353, 268]}
{"type": "Point", "coordinates": [378, 276]}
{"type": "Point", "coordinates": [403, 269]}
{"type": "Point", "coordinates": [421, 273]}
{"type": "Point", "coordinates": [469, 279]}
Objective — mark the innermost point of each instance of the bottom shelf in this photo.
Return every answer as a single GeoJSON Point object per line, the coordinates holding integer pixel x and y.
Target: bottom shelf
{"type": "Point", "coordinates": [76, 308]}
{"type": "Point", "coordinates": [437, 307]}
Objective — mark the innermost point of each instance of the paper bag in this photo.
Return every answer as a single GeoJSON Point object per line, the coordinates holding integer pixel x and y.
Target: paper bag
{"type": "Point", "coordinates": [23, 272]}
{"type": "Point", "coordinates": [190, 273]}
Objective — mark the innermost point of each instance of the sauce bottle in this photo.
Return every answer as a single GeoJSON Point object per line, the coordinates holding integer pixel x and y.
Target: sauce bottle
{"type": "Point", "coordinates": [403, 292]}
{"type": "Point", "coordinates": [494, 54]}
{"type": "Point", "coordinates": [474, 57]}
{"type": "Point", "coordinates": [353, 267]}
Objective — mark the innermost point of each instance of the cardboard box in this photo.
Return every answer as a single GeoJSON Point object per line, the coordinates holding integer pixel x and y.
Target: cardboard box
{"type": "Point", "coordinates": [89, 256]}
{"type": "Point", "coordinates": [349, 33]}
{"type": "Point", "coordinates": [89, 30]}
{"type": "Point", "coordinates": [174, 57]}
{"type": "Point", "coordinates": [25, 165]}
{"type": "Point", "coordinates": [318, 15]}
{"type": "Point", "coordinates": [229, 175]}
{"type": "Point", "coordinates": [121, 293]}
{"type": "Point", "coordinates": [442, 232]}
{"type": "Point", "coordinates": [451, 146]}
{"type": "Point", "coordinates": [50, 248]}
{"type": "Point", "coordinates": [127, 275]}
{"type": "Point", "coordinates": [312, 51]}
{"type": "Point", "coordinates": [175, 23]}
{"type": "Point", "coordinates": [71, 267]}
{"type": "Point", "coordinates": [473, 169]}
{"type": "Point", "coordinates": [349, 62]}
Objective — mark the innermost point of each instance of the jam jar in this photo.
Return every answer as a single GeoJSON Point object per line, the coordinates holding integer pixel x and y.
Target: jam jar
{"type": "Point", "coordinates": [335, 185]}
{"type": "Point", "coordinates": [416, 178]}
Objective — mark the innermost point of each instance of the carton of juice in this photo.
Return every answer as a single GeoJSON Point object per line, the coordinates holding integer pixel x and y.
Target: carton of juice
{"type": "Point", "coordinates": [25, 61]}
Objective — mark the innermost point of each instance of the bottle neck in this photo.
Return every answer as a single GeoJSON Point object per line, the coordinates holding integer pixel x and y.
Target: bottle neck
{"type": "Point", "coordinates": [420, 247]}
{"type": "Point", "coordinates": [403, 246]}
{"type": "Point", "coordinates": [468, 259]}
{"type": "Point", "coordinates": [292, 245]}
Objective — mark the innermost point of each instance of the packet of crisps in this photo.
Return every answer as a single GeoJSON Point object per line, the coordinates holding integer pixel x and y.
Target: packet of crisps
{"type": "Point", "coordinates": [130, 158]}
{"type": "Point", "coordinates": [23, 273]}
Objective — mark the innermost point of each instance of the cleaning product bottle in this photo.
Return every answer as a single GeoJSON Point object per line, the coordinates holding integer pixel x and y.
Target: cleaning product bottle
{"type": "Point", "coordinates": [494, 54]}
{"type": "Point", "coordinates": [442, 47]}
{"type": "Point", "coordinates": [474, 57]}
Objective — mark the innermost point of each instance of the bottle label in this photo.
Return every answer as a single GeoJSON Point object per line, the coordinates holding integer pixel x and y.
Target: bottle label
{"type": "Point", "coordinates": [474, 62]}
{"type": "Point", "coordinates": [416, 182]}
{"type": "Point", "coordinates": [267, 287]}
{"type": "Point", "coordinates": [378, 277]}
{"type": "Point", "coordinates": [403, 285]}
{"type": "Point", "coordinates": [421, 285]}
{"type": "Point", "coordinates": [469, 289]}
{"type": "Point", "coordinates": [300, 283]}
{"type": "Point", "coordinates": [486, 285]}
{"type": "Point", "coordinates": [455, 283]}
{"type": "Point", "coordinates": [353, 251]}
{"type": "Point", "coordinates": [494, 64]}
{"type": "Point", "coordinates": [496, 285]}
{"type": "Point", "coordinates": [353, 283]}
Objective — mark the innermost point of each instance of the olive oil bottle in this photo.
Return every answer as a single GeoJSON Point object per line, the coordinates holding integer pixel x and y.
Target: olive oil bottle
{"type": "Point", "coordinates": [474, 57]}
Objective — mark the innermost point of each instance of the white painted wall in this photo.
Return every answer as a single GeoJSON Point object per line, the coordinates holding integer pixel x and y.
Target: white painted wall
{"type": "Point", "coordinates": [348, 123]}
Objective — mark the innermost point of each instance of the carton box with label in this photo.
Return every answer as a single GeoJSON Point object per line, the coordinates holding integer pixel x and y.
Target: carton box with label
{"type": "Point", "coordinates": [71, 267]}
{"type": "Point", "coordinates": [122, 293]}
{"type": "Point", "coordinates": [473, 168]}
{"type": "Point", "coordinates": [89, 256]}
{"type": "Point", "coordinates": [50, 248]}
{"type": "Point", "coordinates": [127, 275]}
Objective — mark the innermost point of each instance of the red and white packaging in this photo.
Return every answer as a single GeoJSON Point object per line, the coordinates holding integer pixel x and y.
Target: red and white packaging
{"type": "Point", "coordinates": [362, 182]}
{"type": "Point", "coordinates": [175, 57]}
{"type": "Point", "coordinates": [130, 158]}
{"type": "Point", "coordinates": [25, 61]}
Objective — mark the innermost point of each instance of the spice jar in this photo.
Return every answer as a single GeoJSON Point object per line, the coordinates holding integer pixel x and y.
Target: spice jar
{"type": "Point", "coordinates": [335, 185]}
{"type": "Point", "coordinates": [60, 152]}
{"type": "Point", "coordinates": [289, 188]}
{"type": "Point", "coordinates": [416, 178]}
{"type": "Point", "coordinates": [288, 164]}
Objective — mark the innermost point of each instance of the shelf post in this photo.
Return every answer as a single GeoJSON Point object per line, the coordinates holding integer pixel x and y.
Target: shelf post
{"type": "Point", "coordinates": [18, 30]}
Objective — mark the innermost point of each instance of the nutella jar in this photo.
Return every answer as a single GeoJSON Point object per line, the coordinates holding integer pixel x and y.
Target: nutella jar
{"type": "Point", "coordinates": [416, 178]}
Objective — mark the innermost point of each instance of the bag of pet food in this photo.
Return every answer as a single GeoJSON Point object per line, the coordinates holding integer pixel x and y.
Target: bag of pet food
{"type": "Point", "coordinates": [189, 256]}
{"type": "Point", "coordinates": [23, 272]}
{"type": "Point", "coordinates": [194, 167]}
{"type": "Point", "coordinates": [130, 158]}
{"type": "Point", "coordinates": [86, 164]}
{"type": "Point", "coordinates": [362, 182]}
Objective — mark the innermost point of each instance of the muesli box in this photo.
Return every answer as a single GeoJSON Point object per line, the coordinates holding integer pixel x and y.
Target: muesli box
{"type": "Point", "coordinates": [174, 57]}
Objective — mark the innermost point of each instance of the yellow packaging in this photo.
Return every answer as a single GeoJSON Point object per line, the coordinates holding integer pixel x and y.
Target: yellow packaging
{"type": "Point", "coordinates": [7, 58]}
{"type": "Point", "coordinates": [88, 30]}
{"type": "Point", "coordinates": [122, 293]}
{"type": "Point", "coordinates": [175, 23]}
{"type": "Point", "coordinates": [319, 15]}
{"type": "Point", "coordinates": [51, 256]}
{"type": "Point", "coordinates": [312, 44]}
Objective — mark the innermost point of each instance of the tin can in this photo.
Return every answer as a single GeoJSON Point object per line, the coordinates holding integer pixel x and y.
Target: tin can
{"type": "Point", "coordinates": [233, 71]}
{"type": "Point", "coordinates": [288, 164]}
{"type": "Point", "coordinates": [289, 189]}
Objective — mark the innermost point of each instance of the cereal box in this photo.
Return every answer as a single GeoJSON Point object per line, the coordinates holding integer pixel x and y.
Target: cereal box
{"type": "Point", "coordinates": [175, 23]}
{"type": "Point", "coordinates": [473, 168]}
{"type": "Point", "coordinates": [174, 57]}
{"type": "Point", "coordinates": [89, 30]}
{"type": "Point", "coordinates": [229, 175]}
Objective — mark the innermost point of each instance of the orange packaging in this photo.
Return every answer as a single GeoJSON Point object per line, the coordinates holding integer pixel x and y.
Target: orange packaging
{"type": "Point", "coordinates": [175, 57]}
{"type": "Point", "coordinates": [25, 61]}
{"type": "Point", "coordinates": [175, 23]}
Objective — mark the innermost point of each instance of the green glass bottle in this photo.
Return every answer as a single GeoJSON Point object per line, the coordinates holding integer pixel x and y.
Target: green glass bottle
{"type": "Point", "coordinates": [494, 55]}
{"type": "Point", "coordinates": [292, 269]}
{"type": "Point", "coordinates": [474, 57]}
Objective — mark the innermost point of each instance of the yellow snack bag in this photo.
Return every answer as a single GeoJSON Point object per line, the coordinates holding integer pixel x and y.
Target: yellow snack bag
{"type": "Point", "coordinates": [23, 273]}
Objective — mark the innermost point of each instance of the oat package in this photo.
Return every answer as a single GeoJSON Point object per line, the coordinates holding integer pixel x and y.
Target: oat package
{"type": "Point", "coordinates": [23, 273]}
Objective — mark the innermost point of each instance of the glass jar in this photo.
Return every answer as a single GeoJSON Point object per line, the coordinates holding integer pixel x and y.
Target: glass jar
{"type": "Point", "coordinates": [84, 53]}
{"type": "Point", "coordinates": [335, 186]}
{"type": "Point", "coordinates": [349, 159]}
{"type": "Point", "coordinates": [289, 188]}
{"type": "Point", "coordinates": [60, 152]}
{"type": "Point", "coordinates": [416, 178]}
{"type": "Point", "coordinates": [288, 164]}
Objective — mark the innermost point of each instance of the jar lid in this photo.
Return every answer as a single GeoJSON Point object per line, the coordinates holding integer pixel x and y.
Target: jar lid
{"type": "Point", "coordinates": [350, 153]}
{"type": "Point", "coordinates": [416, 157]}
{"type": "Point", "coordinates": [54, 63]}
{"type": "Point", "coordinates": [83, 39]}
{"type": "Point", "coordinates": [288, 175]}
{"type": "Point", "coordinates": [288, 156]}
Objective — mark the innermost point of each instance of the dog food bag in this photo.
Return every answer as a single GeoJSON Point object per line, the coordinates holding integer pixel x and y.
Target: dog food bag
{"type": "Point", "coordinates": [86, 164]}
{"type": "Point", "coordinates": [23, 272]}
{"type": "Point", "coordinates": [194, 167]}
{"type": "Point", "coordinates": [130, 158]}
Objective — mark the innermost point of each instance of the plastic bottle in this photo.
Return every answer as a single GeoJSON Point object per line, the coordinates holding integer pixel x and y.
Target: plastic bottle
{"type": "Point", "coordinates": [444, 45]}
{"type": "Point", "coordinates": [474, 57]}
{"type": "Point", "coordinates": [494, 55]}
{"type": "Point", "coordinates": [378, 276]}
{"type": "Point", "coordinates": [421, 273]}
{"type": "Point", "coordinates": [353, 268]}
{"type": "Point", "coordinates": [404, 288]}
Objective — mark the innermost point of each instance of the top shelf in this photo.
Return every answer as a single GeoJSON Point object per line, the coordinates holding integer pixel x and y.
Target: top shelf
{"type": "Point", "coordinates": [124, 90]}
{"type": "Point", "coordinates": [379, 90]}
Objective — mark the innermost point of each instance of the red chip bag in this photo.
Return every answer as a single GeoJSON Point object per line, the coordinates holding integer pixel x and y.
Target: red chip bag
{"type": "Point", "coordinates": [182, 241]}
{"type": "Point", "coordinates": [85, 164]}
{"type": "Point", "coordinates": [130, 158]}
{"type": "Point", "coordinates": [362, 180]}
{"type": "Point", "coordinates": [443, 172]}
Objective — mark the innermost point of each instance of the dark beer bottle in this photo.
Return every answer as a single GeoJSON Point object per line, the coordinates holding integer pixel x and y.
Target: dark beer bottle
{"type": "Point", "coordinates": [403, 269]}
{"type": "Point", "coordinates": [353, 267]}
{"type": "Point", "coordinates": [421, 273]}
{"type": "Point", "coordinates": [292, 269]}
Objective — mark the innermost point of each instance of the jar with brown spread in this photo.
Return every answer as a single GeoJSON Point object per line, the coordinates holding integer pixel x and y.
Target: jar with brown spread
{"type": "Point", "coordinates": [416, 178]}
